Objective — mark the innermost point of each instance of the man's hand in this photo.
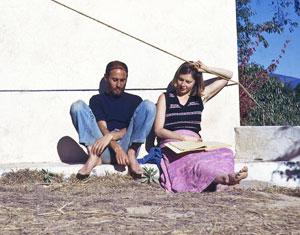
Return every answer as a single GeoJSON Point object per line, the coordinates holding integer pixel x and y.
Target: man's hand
{"type": "Point", "coordinates": [121, 156]}
{"type": "Point", "coordinates": [99, 146]}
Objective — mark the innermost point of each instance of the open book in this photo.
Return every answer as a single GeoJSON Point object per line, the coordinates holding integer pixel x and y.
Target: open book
{"type": "Point", "coordinates": [190, 146]}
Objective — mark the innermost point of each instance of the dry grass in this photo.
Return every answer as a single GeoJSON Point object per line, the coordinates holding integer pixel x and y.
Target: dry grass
{"type": "Point", "coordinates": [27, 176]}
{"type": "Point", "coordinates": [117, 204]}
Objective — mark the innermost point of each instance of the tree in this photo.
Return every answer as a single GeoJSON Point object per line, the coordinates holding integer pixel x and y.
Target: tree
{"type": "Point", "coordinates": [297, 92]}
{"type": "Point", "coordinates": [251, 34]}
{"type": "Point", "coordinates": [252, 75]}
{"type": "Point", "coordinates": [279, 105]}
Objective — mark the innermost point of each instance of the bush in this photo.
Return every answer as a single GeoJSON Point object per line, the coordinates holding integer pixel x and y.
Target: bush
{"type": "Point", "coordinates": [280, 105]}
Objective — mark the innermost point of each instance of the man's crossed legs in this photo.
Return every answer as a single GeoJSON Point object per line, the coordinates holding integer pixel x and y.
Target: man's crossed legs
{"type": "Point", "coordinates": [87, 128]}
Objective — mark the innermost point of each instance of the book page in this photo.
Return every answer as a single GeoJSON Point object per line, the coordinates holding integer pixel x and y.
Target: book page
{"type": "Point", "coordinates": [187, 146]}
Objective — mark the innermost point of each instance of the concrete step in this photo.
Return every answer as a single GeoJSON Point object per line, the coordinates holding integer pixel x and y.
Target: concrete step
{"type": "Point", "coordinates": [286, 174]}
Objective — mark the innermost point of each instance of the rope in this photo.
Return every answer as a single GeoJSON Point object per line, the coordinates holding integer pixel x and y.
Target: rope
{"type": "Point", "coordinates": [149, 44]}
{"type": "Point", "coordinates": [71, 90]}
{"type": "Point", "coordinates": [118, 30]}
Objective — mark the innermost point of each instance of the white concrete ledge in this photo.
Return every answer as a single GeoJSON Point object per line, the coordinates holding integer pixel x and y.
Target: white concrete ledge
{"type": "Point", "coordinates": [275, 173]}
{"type": "Point", "coordinates": [267, 143]}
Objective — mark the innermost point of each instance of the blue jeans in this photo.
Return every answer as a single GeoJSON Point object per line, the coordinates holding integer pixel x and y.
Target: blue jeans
{"type": "Point", "coordinates": [87, 128]}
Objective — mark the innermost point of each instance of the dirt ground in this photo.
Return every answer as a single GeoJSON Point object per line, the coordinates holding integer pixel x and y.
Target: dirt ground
{"type": "Point", "coordinates": [119, 205]}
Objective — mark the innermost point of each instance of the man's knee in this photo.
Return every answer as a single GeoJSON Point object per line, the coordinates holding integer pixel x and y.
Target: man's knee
{"type": "Point", "coordinates": [77, 106]}
{"type": "Point", "coordinates": [149, 107]}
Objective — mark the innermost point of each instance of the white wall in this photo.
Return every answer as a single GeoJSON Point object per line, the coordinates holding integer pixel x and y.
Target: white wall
{"type": "Point", "coordinates": [267, 143]}
{"type": "Point", "coordinates": [45, 46]}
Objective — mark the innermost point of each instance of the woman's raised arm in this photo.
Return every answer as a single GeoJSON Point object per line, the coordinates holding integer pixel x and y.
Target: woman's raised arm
{"type": "Point", "coordinates": [221, 81]}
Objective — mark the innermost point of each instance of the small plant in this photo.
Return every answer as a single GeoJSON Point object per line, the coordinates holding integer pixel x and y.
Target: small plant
{"type": "Point", "coordinates": [149, 175]}
{"type": "Point", "coordinates": [47, 176]}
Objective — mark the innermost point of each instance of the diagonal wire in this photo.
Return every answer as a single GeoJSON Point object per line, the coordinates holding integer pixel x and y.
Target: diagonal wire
{"type": "Point", "coordinates": [118, 30]}
{"type": "Point", "coordinates": [149, 44]}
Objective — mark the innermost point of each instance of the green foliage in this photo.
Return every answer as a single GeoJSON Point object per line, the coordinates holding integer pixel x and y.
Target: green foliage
{"type": "Point", "coordinates": [251, 34]}
{"type": "Point", "coordinates": [279, 105]}
{"type": "Point", "coordinates": [47, 176]}
{"type": "Point", "coordinates": [150, 175]}
{"type": "Point", "coordinates": [297, 92]}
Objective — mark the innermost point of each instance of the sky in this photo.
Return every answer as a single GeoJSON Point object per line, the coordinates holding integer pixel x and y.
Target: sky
{"type": "Point", "coordinates": [290, 63]}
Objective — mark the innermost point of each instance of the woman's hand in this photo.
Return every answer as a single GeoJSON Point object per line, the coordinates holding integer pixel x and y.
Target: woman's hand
{"type": "Point", "coordinates": [200, 66]}
{"type": "Point", "coordinates": [191, 138]}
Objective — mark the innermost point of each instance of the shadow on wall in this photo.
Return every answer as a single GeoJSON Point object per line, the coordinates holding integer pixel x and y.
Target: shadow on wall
{"type": "Point", "coordinates": [293, 150]}
{"type": "Point", "coordinates": [150, 140]}
{"type": "Point", "coordinates": [102, 86]}
{"type": "Point", "coordinates": [69, 151]}
{"type": "Point", "coordinates": [288, 171]}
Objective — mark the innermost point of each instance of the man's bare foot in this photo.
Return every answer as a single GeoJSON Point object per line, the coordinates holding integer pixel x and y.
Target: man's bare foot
{"type": "Point", "coordinates": [92, 161]}
{"type": "Point", "coordinates": [134, 166]}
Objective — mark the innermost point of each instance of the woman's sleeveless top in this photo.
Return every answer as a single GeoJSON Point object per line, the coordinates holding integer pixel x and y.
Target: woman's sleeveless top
{"type": "Point", "coordinates": [186, 116]}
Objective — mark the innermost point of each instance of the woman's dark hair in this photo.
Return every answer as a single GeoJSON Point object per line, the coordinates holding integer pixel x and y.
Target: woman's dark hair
{"type": "Point", "coordinates": [189, 68]}
{"type": "Point", "coordinates": [115, 65]}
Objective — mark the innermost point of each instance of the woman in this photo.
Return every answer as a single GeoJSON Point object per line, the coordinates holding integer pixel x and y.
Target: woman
{"type": "Point", "coordinates": [178, 119]}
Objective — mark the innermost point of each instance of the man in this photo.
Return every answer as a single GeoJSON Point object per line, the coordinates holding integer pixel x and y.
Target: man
{"type": "Point", "coordinates": [115, 123]}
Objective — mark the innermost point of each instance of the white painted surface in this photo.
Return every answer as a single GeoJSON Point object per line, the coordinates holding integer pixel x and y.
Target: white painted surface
{"type": "Point", "coordinates": [45, 46]}
{"type": "Point", "coordinates": [268, 143]}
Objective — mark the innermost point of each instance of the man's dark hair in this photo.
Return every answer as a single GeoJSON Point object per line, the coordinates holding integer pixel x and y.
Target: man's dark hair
{"type": "Point", "coordinates": [115, 65]}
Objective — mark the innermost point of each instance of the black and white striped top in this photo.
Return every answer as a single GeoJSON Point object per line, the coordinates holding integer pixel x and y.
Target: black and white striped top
{"type": "Point", "coordinates": [186, 116]}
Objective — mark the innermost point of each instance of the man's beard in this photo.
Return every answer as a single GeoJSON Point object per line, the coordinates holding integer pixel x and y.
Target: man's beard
{"type": "Point", "coordinates": [117, 92]}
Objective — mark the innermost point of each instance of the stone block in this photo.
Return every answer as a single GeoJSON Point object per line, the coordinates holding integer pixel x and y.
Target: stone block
{"type": "Point", "coordinates": [267, 143]}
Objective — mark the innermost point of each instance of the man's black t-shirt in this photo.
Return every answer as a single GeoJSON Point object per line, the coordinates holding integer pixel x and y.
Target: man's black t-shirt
{"type": "Point", "coordinates": [116, 111]}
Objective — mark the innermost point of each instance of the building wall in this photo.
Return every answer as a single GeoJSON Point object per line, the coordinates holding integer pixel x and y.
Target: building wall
{"type": "Point", "coordinates": [46, 48]}
{"type": "Point", "coordinates": [267, 143]}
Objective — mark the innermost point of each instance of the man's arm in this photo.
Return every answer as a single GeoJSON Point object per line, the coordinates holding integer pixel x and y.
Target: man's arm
{"type": "Point", "coordinates": [116, 135]}
{"type": "Point", "coordinates": [110, 138]}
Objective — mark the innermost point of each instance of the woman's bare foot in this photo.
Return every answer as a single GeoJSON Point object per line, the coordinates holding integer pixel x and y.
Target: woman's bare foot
{"type": "Point", "coordinates": [244, 169]}
{"type": "Point", "coordinates": [232, 179]}
{"type": "Point", "coordinates": [222, 179]}
{"type": "Point", "coordinates": [237, 177]}
{"type": "Point", "coordinates": [242, 174]}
